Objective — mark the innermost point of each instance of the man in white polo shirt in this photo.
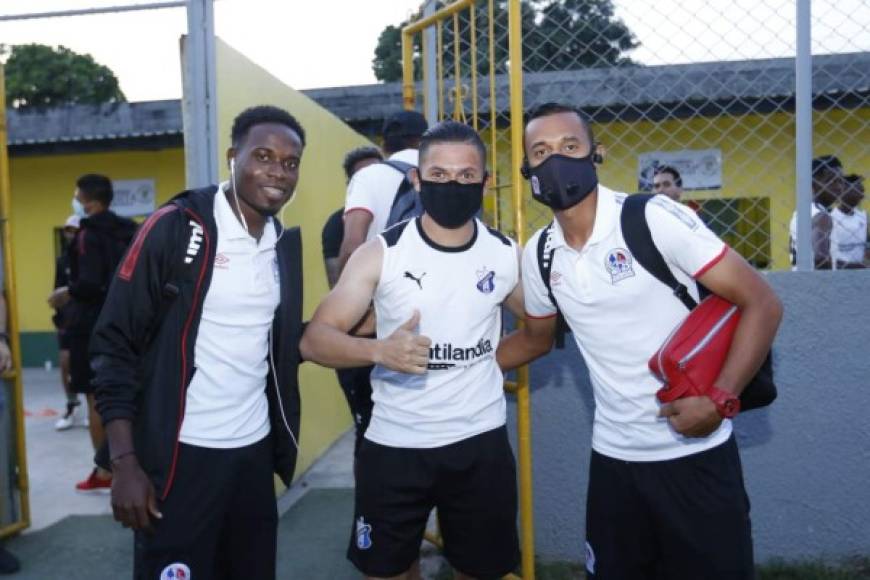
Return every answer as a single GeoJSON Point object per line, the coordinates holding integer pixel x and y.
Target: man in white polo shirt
{"type": "Point", "coordinates": [196, 357]}
{"type": "Point", "coordinates": [666, 496]}
{"type": "Point", "coordinates": [849, 235]}
{"type": "Point", "coordinates": [437, 436]}
{"type": "Point", "coordinates": [371, 191]}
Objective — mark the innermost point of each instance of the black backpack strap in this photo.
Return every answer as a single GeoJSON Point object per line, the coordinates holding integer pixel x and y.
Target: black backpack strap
{"type": "Point", "coordinates": [638, 238]}
{"type": "Point", "coordinates": [546, 253]}
{"type": "Point", "coordinates": [399, 166]}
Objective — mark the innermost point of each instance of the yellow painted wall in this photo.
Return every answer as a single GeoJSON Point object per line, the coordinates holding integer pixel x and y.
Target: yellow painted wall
{"type": "Point", "coordinates": [758, 157]}
{"type": "Point", "coordinates": [42, 191]}
{"type": "Point", "coordinates": [242, 83]}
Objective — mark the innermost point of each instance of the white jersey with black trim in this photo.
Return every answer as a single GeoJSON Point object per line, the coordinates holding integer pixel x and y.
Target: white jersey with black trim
{"type": "Point", "coordinates": [458, 292]}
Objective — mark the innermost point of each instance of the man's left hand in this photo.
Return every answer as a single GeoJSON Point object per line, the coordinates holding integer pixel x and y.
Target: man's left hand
{"type": "Point", "coordinates": [58, 298]}
{"type": "Point", "coordinates": [5, 357]}
{"type": "Point", "coordinates": [692, 416]}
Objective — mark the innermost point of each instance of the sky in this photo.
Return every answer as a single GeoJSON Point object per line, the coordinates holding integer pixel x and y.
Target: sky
{"type": "Point", "coordinates": [325, 43]}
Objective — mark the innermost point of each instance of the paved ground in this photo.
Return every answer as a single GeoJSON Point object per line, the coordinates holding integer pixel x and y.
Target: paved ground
{"type": "Point", "coordinates": [57, 460]}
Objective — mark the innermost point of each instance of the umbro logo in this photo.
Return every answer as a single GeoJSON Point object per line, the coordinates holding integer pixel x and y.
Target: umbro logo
{"type": "Point", "coordinates": [221, 261]}
{"type": "Point", "coordinates": [194, 243]}
{"type": "Point", "coordinates": [418, 280]}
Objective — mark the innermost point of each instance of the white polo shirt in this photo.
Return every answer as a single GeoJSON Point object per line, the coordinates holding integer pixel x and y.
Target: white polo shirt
{"type": "Point", "coordinates": [226, 400]}
{"type": "Point", "coordinates": [815, 209]}
{"type": "Point", "coordinates": [620, 315]}
{"type": "Point", "coordinates": [848, 236]}
{"type": "Point", "coordinates": [373, 189]}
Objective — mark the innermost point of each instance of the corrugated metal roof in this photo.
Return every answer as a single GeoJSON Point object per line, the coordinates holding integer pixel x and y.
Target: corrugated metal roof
{"type": "Point", "coordinates": [623, 87]}
{"type": "Point", "coordinates": [94, 122]}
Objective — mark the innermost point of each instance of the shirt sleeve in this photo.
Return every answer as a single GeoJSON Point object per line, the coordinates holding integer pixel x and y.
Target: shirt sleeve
{"type": "Point", "coordinates": [360, 193]}
{"type": "Point", "coordinates": [332, 235]}
{"type": "Point", "coordinates": [682, 238]}
{"type": "Point", "coordinates": [535, 295]}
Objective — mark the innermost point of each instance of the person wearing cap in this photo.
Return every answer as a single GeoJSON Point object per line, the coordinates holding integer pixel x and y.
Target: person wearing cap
{"type": "Point", "coordinates": [371, 192]}
{"type": "Point", "coordinates": [61, 319]}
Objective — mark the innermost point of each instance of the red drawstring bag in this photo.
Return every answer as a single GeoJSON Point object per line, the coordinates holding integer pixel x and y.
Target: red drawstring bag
{"type": "Point", "coordinates": [692, 356]}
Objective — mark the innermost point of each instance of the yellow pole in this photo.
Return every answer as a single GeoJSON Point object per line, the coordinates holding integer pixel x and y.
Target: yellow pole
{"type": "Point", "coordinates": [515, 36]}
{"type": "Point", "coordinates": [493, 119]}
{"type": "Point", "coordinates": [458, 113]}
{"type": "Point", "coordinates": [14, 375]}
{"type": "Point", "coordinates": [408, 96]}
{"type": "Point", "coordinates": [473, 24]}
{"type": "Point", "coordinates": [440, 36]}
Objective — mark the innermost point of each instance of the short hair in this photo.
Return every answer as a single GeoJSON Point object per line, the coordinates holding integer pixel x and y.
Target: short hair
{"type": "Point", "coordinates": [96, 187]}
{"type": "Point", "coordinates": [678, 179]}
{"type": "Point", "coordinates": [452, 132]}
{"type": "Point", "coordinates": [354, 156]}
{"type": "Point", "coordinates": [261, 115]}
{"type": "Point", "coordinates": [825, 163]}
{"type": "Point", "coordinates": [854, 179]}
{"type": "Point", "coordinates": [396, 143]}
{"type": "Point", "coordinates": [553, 108]}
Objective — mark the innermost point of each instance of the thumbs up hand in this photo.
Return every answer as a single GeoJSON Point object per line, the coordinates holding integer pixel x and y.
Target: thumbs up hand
{"type": "Point", "coordinates": [405, 351]}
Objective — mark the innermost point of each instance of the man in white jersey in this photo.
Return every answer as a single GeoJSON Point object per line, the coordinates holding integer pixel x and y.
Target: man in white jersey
{"type": "Point", "coordinates": [666, 496]}
{"type": "Point", "coordinates": [827, 184]}
{"type": "Point", "coordinates": [371, 191]}
{"type": "Point", "coordinates": [849, 235]}
{"type": "Point", "coordinates": [437, 436]}
{"type": "Point", "coordinates": [196, 358]}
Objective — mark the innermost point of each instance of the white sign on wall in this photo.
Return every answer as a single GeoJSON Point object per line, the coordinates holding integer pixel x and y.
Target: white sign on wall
{"type": "Point", "coordinates": [134, 197]}
{"type": "Point", "coordinates": [699, 168]}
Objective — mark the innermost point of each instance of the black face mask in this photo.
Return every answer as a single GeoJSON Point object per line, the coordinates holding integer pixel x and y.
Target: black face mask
{"type": "Point", "coordinates": [561, 182]}
{"type": "Point", "coordinates": [451, 204]}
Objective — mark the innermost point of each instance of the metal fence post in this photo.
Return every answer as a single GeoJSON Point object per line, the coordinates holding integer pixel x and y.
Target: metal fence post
{"type": "Point", "coordinates": [804, 136]}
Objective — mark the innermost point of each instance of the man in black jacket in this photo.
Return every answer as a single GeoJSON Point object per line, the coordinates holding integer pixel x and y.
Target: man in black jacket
{"type": "Point", "coordinates": [196, 357]}
{"type": "Point", "coordinates": [97, 249]}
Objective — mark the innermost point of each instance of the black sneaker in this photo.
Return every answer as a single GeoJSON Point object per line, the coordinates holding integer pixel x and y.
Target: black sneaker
{"type": "Point", "coordinates": [8, 563]}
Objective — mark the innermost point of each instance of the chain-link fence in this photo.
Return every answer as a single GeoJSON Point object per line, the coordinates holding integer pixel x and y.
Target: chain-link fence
{"type": "Point", "coordinates": [704, 88]}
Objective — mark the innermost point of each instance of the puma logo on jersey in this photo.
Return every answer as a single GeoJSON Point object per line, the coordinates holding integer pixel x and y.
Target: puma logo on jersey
{"type": "Point", "coordinates": [195, 242]}
{"type": "Point", "coordinates": [419, 280]}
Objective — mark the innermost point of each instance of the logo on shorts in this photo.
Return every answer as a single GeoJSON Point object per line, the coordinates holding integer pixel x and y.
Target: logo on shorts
{"type": "Point", "coordinates": [590, 559]}
{"type": "Point", "coordinates": [363, 534]}
{"type": "Point", "coordinates": [177, 571]}
{"type": "Point", "coordinates": [486, 280]}
{"type": "Point", "coordinates": [618, 263]}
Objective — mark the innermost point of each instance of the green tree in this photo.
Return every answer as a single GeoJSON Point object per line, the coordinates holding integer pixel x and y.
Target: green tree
{"type": "Point", "coordinates": [43, 76]}
{"type": "Point", "coordinates": [557, 35]}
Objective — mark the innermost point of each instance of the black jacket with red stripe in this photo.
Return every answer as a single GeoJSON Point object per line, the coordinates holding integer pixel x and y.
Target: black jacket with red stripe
{"type": "Point", "coordinates": [142, 349]}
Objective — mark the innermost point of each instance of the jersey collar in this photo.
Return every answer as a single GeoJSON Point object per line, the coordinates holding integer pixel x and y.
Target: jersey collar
{"type": "Point", "coordinates": [606, 218]}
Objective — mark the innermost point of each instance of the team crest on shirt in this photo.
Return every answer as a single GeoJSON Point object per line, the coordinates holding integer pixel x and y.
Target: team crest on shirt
{"type": "Point", "coordinates": [619, 263]}
{"type": "Point", "coordinates": [486, 280]}
{"type": "Point", "coordinates": [363, 534]}
{"type": "Point", "coordinates": [177, 571]}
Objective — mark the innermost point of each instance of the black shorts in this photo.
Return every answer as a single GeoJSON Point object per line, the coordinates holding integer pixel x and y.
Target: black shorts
{"type": "Point", "coordinates": [220, 520]}
{"type": "Point", "coordinates": [81, 375]}
{"type": "Point", "coordinates": [473, 485]}
{"type": "Point", "coordinates": [682, 519]}
{"type": "Point", "coordinates": [63, 340]}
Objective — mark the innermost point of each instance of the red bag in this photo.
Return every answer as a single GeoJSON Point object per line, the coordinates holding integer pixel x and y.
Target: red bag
{"type": "Point", "coordinates": [692, 356]}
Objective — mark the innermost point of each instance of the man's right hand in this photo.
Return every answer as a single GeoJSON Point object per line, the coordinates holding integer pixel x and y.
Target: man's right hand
{"type": "Point", "coordinates": [133, 499]}
{"type": "Point", "coordinates": [405, 351]}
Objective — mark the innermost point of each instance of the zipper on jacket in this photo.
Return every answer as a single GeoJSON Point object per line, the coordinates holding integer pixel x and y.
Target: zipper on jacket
{"type": "Point", "coordinates": [183, 379]}
{"type": "Point", "coordinates": [711, 334]}
{"type": "Point", "coordinates": [277, 390]}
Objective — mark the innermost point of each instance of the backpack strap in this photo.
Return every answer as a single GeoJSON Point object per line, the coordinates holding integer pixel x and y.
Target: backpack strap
{"type": "Point", "coordinates": [546, 252]}
{"type": "Point", "coordinates": [638, 238]}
